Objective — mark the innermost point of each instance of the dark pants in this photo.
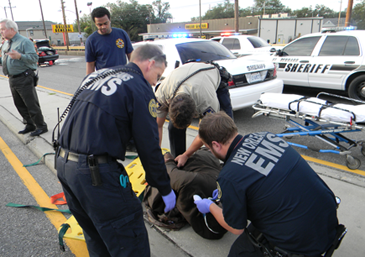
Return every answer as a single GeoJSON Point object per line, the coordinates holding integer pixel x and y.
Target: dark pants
{"type": "Point", "coordinates": [177, 139]}
{"type": "Point", "coordinates": [26, 100]}
{"type": "Point", "coordinates": [110, 215]}
{"type": "Point", "coordinates": [243, 246]}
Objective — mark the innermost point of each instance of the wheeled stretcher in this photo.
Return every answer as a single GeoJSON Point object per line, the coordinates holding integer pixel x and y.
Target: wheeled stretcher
{"type": "Point", "coordinates": [321, 119]}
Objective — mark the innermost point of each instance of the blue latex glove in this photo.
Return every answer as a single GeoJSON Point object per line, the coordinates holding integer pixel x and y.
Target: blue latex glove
{"type": "Point", "coordinates": [170, 201]}
{"type": "Point", "coordinates": [215, 194]}
{"type": "Point", "coordinates": [203, 205]}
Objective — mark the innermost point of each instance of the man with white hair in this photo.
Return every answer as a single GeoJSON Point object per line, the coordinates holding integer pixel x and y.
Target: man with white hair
{"type": "Point", "coordinates": [19, 60]}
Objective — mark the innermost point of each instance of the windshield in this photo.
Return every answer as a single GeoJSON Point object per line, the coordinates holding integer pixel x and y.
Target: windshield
{"type": "Point", "coordinates": [257, 42]}
{"type": "Point", "coordinates": [203, 51]}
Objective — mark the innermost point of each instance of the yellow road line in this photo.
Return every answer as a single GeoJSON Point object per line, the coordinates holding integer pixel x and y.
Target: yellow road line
{"type": "Point", "coordinates": [56, 218]}
{"type": "Point", "coordinates": [333, 165]}
{"type": "Point", "coordinates": [47, 88]}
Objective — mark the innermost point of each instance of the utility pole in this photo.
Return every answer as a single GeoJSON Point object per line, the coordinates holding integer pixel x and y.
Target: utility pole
{"type": "Point", "coordinates": [11, 11]}
{"type": "Point", "coordinates": [65, 25]}
{"type": "Point", "coordinates": [348, 13]}
{"type": "Point", "coordinates": [44, 25]}
{"type": "Point", "coordinates": [78, 23]}
{"type": "Point", "coordinates": [339, 15]}
{"type": "Point", "coordinates": [236, 16]}
{"type": "Point", "coordinates": [200, 17]}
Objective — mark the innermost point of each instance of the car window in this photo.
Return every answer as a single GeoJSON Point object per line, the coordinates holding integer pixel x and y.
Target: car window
{"type": "Point", "coordinates": [339, 45]}
{"type": "Point", "coordinates": [228, 42]}
{"type": "Point", "coordinates": [257, 42]}
{"type": "Point", "coordinates": [203, 51]}
{"type": "Point", "coordinates": [301, 47]}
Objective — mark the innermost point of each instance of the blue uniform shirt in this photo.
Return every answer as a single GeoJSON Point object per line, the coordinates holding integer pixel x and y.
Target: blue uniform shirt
{"type": "Point", "coordinates": [108, 113]}
{"type": "Point", "coordinates": [266, 181]}
{"type": "Point", "coordinates": [108, 50]}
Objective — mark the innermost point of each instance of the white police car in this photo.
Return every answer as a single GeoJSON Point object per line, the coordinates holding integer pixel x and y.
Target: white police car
{"type": "Point", "coordinates": [241, 45]}
{"type": "Point", "coordinates": [325, 60]}
{"type": "Point", "coordinates": [251, 77]}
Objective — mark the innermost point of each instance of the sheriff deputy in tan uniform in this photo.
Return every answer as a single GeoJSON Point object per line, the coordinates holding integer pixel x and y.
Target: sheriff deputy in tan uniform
{"type": "Point", "coordinates": [190, 91]}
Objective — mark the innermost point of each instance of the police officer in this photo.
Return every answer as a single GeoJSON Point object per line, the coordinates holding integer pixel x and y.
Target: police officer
{"type": "Point", "coordinates": [190, 91]}
{"type": "Point", "coordinates": [266, 181]}
{"type": "Point", "coordinates": [112, 106]}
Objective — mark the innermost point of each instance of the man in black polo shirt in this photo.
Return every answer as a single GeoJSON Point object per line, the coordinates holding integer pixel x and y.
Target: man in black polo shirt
{"type": "Point", "coordinates": [266, 181]}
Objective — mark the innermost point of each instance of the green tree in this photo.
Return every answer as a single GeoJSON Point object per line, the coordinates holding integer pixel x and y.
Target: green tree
{"type": "Point", "coordinates": [132, 17]}
{"type": "Point", "coordinates": [358, 15]}
{"type": "Point", "coordinates": [160, 11]}
{"type": "Point", "coordinates": [220, 11]}
{"type": "Point", "coordinates": [85, 25]}
{"type": "Point", "coordinates": [269, 6]}
{"type": "Point", "coordinates": [318, 11]}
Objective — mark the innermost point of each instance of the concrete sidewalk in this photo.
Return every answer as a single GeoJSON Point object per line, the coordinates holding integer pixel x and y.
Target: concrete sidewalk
{"type": "Point", "coordinates": [185, 242]}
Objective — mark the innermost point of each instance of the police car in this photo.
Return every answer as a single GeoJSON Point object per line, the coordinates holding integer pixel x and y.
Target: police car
{"type": "Point", "coordinates": [241, 45]}
{"type": "Point", "coordinates": [251, 77]}
{"type": "Point", "coordinates": [325, 60]}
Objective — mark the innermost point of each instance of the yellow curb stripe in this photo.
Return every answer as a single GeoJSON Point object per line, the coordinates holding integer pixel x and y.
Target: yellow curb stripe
{"type": "Point", "coordinates": [46, 88]}
{"type": "Point", "coordinates": [333, 165]}
{"type": "Point", "coordinates": [55, 90]}
{"type": "Point", "coordinates": [56, 218]}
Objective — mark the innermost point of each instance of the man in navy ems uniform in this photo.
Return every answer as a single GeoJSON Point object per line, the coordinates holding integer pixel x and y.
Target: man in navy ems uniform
{"type": "Point", "coordinates": [266, 181]}
{"type": "Point", "coordinates": [113, 106]}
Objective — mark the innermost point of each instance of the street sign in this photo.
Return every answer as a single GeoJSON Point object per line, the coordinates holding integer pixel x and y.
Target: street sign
{"type": "Point", "coordinates": [60, 28]}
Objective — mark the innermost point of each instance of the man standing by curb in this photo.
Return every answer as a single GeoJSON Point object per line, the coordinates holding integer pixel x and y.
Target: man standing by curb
{"type": "Point", "coordinates": [19, 63]}
{"type": "Point", "coordinates": [106, 47]}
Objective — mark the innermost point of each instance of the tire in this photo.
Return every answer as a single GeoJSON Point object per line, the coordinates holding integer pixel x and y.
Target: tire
{"type": "Point", "coordinates": [356, 89]}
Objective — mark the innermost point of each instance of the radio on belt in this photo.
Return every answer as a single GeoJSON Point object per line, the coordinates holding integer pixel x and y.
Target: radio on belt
{"type": "Point", "coordinates": [94, 169]}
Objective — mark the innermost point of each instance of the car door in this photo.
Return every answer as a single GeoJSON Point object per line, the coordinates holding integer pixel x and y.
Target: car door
{"type": "Point", "coordinates": [337, 58]}
{"type": "Point", "coordinates": [294, 62]}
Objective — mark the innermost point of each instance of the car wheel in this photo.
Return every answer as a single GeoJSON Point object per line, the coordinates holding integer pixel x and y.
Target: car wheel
{"type": "Point", "coordinates": [356, 89]}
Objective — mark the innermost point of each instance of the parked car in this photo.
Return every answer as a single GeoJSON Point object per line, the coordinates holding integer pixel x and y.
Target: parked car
{"type": "Point", "coordinates": [46, 53]}
{"type": "Point", "coordinates": [332, 60]}
{"type": "Point", "coordinates": [251, 77]}
{"type": "Point", "coordinates": [241, 45]}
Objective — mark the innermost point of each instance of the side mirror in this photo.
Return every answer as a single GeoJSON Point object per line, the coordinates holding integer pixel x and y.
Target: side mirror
{"type": "Point", "coordinates": [272, 50]}
{"type": "Point", "coordinates": [279, 52]}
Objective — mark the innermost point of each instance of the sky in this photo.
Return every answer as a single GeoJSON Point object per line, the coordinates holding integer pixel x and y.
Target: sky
{"type": "Point", "coordinates": [29, 10]}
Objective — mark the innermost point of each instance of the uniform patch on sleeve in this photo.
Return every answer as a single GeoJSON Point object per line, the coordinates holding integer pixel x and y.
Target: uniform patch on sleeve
{"type": "Point", "coordinates": [152, 107]}
{"type": "Point", "coordinates": [208, 110]}
{"type": "Point", "coordinates": [120, 43]}
{"type": "Point", "coordinates": [219, 191]}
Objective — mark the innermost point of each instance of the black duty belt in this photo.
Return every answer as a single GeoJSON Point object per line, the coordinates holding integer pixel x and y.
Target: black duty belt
{"type": "Point", "coordinates": [75, 157]}
{"type": "Point", "coordinates": [21, 74]}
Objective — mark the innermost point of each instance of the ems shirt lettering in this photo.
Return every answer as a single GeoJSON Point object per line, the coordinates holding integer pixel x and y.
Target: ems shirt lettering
{"type": "Point", "coordinates": [260, 152]}
{"type": "Point", "coordinates": [108, 50]}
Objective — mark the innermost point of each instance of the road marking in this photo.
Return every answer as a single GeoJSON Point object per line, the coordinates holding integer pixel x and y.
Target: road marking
{"type": "Point", "coordinates": [56, 218]}
{"type": "Point", "coordinates": [333, 165]}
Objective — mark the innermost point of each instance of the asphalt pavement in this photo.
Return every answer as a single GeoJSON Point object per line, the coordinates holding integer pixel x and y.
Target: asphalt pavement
{"type": "Point", "coordinates": [348, 186]}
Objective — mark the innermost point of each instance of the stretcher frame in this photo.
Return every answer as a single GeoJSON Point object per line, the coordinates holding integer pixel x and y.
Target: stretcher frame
{"type": "Point", "coordinates": [330, 132]}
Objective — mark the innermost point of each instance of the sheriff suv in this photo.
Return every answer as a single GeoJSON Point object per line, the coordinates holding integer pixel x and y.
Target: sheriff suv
{"type": "Point", "coordinates": [250, 77]}
{"type": "Point", "coordinates": [332, 60]}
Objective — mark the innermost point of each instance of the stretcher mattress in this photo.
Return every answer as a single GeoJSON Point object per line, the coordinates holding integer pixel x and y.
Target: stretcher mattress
{"type": "Point", "coordinates": [315, 107]}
